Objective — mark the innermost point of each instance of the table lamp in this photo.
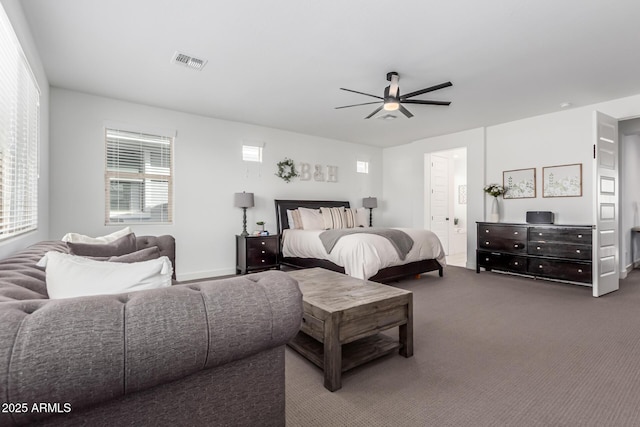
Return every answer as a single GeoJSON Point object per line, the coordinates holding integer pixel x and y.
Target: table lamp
{"type": "Point", "coordinates": [243, 200]}
{"type": "Point", "coordinates": [370, 203]}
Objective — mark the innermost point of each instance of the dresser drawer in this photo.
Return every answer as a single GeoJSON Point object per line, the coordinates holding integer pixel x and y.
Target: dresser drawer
{"type": "Point", "coordinates": [563, 270]}
{"type": "Point", "coordinates": [565, 235]}
{"type": "Point", "coordinates": [506, 262]}
{"type": "Point", "coordinates": [502, 231]}
{"type": "Point", "coordinates": [256, 260]}
{"type": "Point", "coordinates": [560, 250]}
{"type": "Point", "coordinates": [503, 245]}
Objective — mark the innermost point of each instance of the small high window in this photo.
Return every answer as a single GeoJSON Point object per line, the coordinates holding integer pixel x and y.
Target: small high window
{"type": "Point", "coordinates": [251, 153]}
{"type": "Point", "coordinates": [362, 167]}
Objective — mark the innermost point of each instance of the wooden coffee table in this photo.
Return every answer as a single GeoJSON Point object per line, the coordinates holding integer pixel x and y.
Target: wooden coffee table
{"type": "Point", "coordinates": [342, 320]}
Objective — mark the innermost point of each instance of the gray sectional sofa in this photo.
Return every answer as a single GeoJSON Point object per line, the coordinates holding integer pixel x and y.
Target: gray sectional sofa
{"type": "Point", "coordinates": [208, 353]}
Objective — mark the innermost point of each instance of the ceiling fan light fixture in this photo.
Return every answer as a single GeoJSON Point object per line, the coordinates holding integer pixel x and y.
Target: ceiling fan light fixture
{"type": "Point", "coordinates": [391, 105]}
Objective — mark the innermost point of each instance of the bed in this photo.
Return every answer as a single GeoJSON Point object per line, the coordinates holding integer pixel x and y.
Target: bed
{"type": "Point", "coordinates": [380, 264]}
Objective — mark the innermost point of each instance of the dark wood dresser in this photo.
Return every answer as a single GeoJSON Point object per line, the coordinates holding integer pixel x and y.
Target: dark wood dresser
{"type": "Point", "coordinates": [556, 252]}
{"type": "Point", "coordinates": [254, 253]}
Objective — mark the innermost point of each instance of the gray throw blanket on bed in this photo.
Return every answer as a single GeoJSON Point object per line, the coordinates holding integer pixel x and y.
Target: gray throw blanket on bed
{"type": "Point", "coordinates": [399, 239]}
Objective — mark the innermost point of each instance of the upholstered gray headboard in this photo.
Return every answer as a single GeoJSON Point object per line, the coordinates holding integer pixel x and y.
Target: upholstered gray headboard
{"type": "Point", "coordinates": [166, 244]}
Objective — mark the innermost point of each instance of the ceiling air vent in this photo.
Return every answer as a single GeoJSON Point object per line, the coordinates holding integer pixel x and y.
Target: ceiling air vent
{"type": "Point", "coordinates": [188, 61]}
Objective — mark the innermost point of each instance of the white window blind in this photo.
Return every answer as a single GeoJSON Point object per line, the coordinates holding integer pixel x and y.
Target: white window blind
{"type": "Point", "coordinates": [251, 153]}
{"type": "Point", "coordinates": [19, 135]}
{"type": "Point", "coordinates": [138, 177]}
{"type": "Point", "coordinates": [362, 167]}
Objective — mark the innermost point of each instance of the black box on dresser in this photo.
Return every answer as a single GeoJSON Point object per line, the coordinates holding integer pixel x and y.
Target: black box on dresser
{"type": "Point", "coordinates": [555, 252]}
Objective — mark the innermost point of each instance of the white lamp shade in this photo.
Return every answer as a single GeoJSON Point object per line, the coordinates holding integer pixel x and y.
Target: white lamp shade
{"type": "Point", "coordinates": [243, 200]}
{"type": "Point", "coordinates": [370, 202]}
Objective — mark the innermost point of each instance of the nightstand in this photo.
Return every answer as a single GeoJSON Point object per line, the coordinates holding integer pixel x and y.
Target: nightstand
{"type": "Point", "coordinates": [254, 253]}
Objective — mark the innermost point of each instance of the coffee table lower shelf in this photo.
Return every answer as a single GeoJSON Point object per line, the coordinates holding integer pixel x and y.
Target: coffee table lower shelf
{"type": "Point", "coordinates": [354, 353]}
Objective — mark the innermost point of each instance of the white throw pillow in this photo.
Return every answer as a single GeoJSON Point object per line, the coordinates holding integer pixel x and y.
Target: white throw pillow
{"type": "Point", "coordinates": [311, 219]}
{"type": "Point", "coordinates": [81, 238]}
{"type": "Point", "coordinates": [293, 217]}
{"type": "Point", "coordinates": [362, 217]}
{"type": "Point", "coordinates": [71, 276]}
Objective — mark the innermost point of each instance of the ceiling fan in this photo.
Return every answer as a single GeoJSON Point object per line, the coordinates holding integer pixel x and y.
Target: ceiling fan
{"type": "Point", "coordinates": [392, 99]}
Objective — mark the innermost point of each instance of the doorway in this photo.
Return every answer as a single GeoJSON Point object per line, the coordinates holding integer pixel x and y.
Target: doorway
{"type": "Point", "coordinates": [446, 201]}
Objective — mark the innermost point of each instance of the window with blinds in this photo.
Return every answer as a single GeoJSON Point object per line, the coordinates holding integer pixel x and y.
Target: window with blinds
{"type": "Point", "coordinates": [19, 136]}
{"type": "Point", "coordinates": [138, 177]}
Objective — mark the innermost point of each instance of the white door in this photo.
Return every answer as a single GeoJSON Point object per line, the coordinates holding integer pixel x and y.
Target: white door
{"type": "Point", "coordinates": [606, 275]}
{"type": "Point", "coordinates": [440, 199]}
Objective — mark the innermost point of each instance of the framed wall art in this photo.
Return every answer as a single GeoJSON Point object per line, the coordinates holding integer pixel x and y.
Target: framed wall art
{"type": "Point", "coordinates": [562, 181]}
{"type": "Point", "coordinates": [519, 184]}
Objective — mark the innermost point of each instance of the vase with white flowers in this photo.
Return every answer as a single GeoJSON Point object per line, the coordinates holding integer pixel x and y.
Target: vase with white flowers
{"type": "Point", "coordinates": [494, 190]}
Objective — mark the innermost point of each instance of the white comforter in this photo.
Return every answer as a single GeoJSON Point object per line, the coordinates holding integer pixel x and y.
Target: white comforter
{"type": "Point", "coordinates": [362, 255]}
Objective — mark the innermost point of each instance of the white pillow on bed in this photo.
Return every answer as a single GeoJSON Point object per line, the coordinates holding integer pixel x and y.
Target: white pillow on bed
{"type": "Point", "coordinates": [362, 217]}
{"type": "Point", "coordinates": [71, 276]}
{"type": "Point", "coordinates": [334, 218]}
{"type": "Point", "coordinates": [293, 217]}
{"type": "Point", "coordinates": [311, 219]}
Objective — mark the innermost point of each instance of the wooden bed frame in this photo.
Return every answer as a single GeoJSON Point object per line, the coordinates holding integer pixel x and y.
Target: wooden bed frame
{"type": "Point", "coordinates": [385, 275]}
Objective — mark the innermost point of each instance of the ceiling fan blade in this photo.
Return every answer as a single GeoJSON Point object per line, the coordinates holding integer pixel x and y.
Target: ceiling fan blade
{"type": "Point", "coordinates": [374, 112]}
{"type": "Point", "coordinates": [405, 112]}
{"type": "Point", "coordinates": [429, 89]}
{"type": "Point", "coordinates": [361, 93]}
{"type": "Point", "coordinates": [419, 101]}
{"type": "Point", "coordinates": [357, 105]}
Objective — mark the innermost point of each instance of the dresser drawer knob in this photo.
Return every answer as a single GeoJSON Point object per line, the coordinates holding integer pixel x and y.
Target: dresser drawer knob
{"type": "Point", "coordinates": [486, 259]}
{"type": "Point", "coordinates": [515, 232]}
{"type": "Point", "coordinates": [264, 252]}
{"type": "Point", "coordinates": [579, 236]}
{"type": "Point", "coordinates": [516, 246]}
{"type": "Point", "coordinates": [515, 263]}
{"type": "Point", "coordinates": [539, 234]}
{"type": "Point", "coordinates": [486, 243]}
{"type": "Point", "coordinates": [262, 260]}
{"type": "Point", "coordinates": [577, 251]}
{"type": "Point", "coordinates": [538, 248]}
{"type": "Point", "coordinates": [540, 266]}
{"type": "Point", "coordinates": [486, 231]}
{"type": "Point", "coordinates": [579, 270]}
{"type": "Point", "coordinates": [262, 243]}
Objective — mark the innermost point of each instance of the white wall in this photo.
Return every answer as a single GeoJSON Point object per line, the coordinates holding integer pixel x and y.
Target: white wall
{"type": "Point", "coordinates": [405, 180]}
{"type": "Point", "coordinates": [549, 140]}
{"type": "Point", "coordinates": [630, 191]}
{"type": "Point", "coordinates": [208, 170]}
{"type": "Point", "coordinates": [20, 26]}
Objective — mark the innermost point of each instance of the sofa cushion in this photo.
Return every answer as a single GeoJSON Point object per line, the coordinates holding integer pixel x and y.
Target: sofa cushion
{"type": "Point", "coordinates": [145, 254]}
{"type": "Point", "coordinates": [69, 276]}
{"type": "Point", "coordinates": [121, 246]}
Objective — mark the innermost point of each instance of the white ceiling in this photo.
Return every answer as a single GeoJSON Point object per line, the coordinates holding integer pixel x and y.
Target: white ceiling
{"type": "Point", "coordinates": [281, 63]}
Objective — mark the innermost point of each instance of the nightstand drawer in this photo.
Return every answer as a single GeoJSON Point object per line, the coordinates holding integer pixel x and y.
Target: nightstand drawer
{"type": "Point", "coordinates": [261, 244]}
{"type": "Point", "coordinates": [258, 260]}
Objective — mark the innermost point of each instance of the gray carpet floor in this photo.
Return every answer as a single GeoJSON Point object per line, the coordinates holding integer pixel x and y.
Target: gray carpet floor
{"type": "Point", "coordinates": [491, 350]}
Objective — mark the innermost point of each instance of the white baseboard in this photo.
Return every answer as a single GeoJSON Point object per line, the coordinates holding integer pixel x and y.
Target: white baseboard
{"type": "Point", "coordinates": [205, 274]}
